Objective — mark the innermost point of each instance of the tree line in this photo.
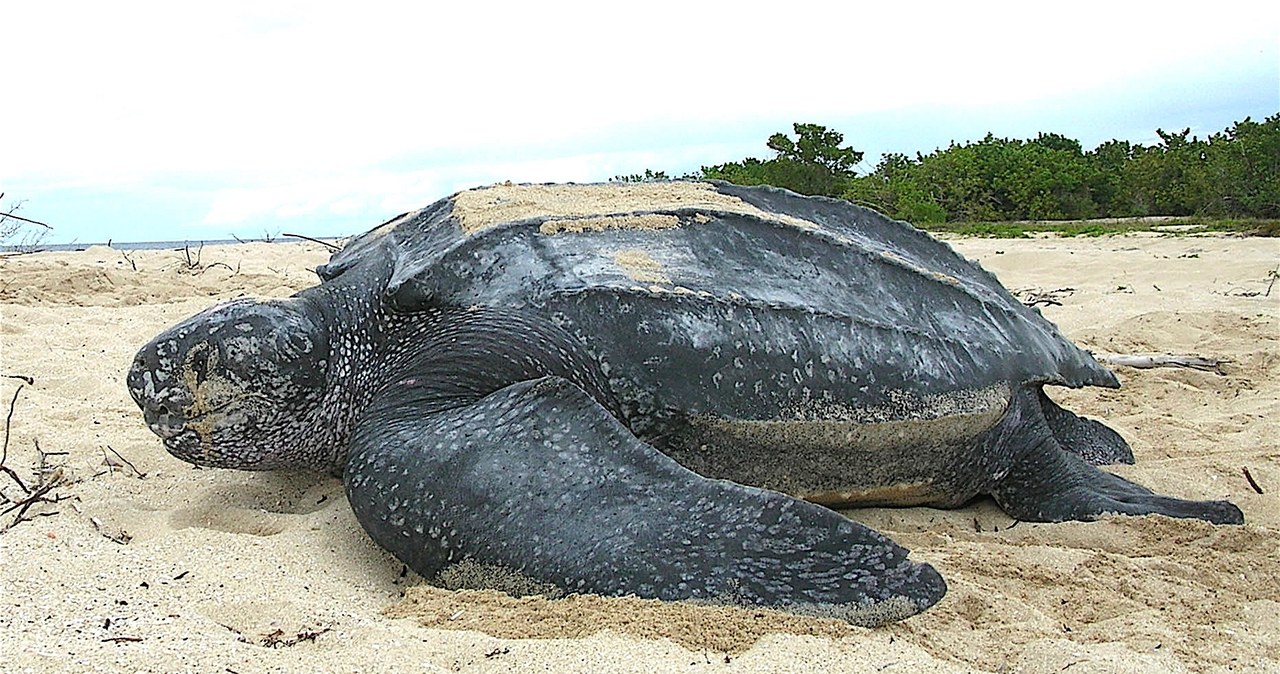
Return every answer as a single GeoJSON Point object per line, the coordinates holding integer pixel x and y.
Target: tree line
{"type": "Point", "coordinates": [1234, 173]}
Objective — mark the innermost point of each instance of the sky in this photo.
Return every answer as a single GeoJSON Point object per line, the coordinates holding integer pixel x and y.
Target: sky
{"type": "Point", "coordinates": [172, 121]}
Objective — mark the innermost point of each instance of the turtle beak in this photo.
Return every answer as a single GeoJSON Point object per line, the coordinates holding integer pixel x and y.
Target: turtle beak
{"type": "Point", "coordinates": [157, 393]}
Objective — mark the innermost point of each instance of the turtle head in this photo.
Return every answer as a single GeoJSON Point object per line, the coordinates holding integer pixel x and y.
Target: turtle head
{"type": "Point", "coordinates": [238, 385]}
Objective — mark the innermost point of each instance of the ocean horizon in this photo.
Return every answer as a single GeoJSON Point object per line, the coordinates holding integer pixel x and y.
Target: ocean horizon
{"type": "Point", "coordinates": [148, 245]}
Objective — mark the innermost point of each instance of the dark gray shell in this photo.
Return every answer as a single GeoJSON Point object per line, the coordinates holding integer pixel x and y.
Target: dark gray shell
{"type": "Point", "coordinates": [742, 302]}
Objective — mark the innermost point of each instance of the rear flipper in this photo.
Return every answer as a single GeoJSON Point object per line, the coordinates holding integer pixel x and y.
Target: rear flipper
{"type": "Point", "coordinates": [538, 482]}
{"type": "Point", "coordinates": [1047, 484]}
{"type": "Point", "coordinates": [1086, 438]}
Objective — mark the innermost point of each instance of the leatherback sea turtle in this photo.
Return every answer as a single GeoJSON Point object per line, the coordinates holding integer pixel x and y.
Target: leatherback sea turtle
{"type": "Point", "coordinates": [649, 389]}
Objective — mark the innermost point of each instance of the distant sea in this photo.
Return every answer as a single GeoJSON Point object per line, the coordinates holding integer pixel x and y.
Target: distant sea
{"type": "Point", "coordinates": [147, 245]}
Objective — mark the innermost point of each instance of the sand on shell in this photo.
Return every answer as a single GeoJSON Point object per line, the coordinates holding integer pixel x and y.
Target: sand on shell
{"type": "Point", "coordinates": [155, 566]}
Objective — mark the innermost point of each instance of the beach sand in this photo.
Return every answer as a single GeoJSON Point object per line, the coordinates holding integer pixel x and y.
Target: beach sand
{"type": "Point", "coordinates": [147, 564]}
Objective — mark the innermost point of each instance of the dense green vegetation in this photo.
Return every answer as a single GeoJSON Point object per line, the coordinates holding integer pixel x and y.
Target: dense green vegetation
{"type": "Point", "coordinates": [1220, 180]}
{"type": "Point", "coordinates": [1176, 225]}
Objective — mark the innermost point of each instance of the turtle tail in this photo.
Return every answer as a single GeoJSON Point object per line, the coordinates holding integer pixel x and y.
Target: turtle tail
{"type": "Point", "coordinates": [1090, 440]}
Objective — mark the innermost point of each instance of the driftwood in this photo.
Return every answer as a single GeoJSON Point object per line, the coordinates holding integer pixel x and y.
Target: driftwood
{"type": "Point", "coordinates": [326, 244]}
{"type": "Point", "coordinates": [1150, 360]}
{"type": "Point", "coordinates": [1033, 296]}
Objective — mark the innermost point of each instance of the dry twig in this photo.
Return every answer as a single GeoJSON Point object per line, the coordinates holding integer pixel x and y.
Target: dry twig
{"type": "Point", "coordinates": [4, 452]}
{"type": "Point", "coordinates": [48, 477]}
{"type": "Point", "coordinates": [1252, 482]}
{"type": "Point", "coordinates": [19, 217]}
{"type": "Point", "coordinates": [191, 263]}
{"type": "Point", "coordinates": [40, 494]}
{"type": "Point", "coordinates": [277, 638]}
{"type": "Point", "coordinates": [326, 244]}
{"type": "Point", "coordinates": [115, 461]}
{"type": "Point", "coordinates": [11, 226]}
{"type": "Point", "coordinates": [8, 420]}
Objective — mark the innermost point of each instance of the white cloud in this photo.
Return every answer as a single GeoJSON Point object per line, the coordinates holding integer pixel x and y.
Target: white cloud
{"type": "Point", "coordinates": [145, 87]}
{"type": "Point", "coordinates": [370, 193]}
{"type": "Point", "coordinates": [305, 104]}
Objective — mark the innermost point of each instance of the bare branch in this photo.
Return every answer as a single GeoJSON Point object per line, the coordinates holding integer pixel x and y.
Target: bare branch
{"type": "Point", "coordinates": [19, 217]}
{"type": "Point", "coordinates": [326, 244]}
{"type": "Point", "coordinates": [8, 420]}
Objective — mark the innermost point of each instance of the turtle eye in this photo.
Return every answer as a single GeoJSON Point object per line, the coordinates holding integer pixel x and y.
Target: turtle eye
{"type": "Point", "coordinates": [298, 344]}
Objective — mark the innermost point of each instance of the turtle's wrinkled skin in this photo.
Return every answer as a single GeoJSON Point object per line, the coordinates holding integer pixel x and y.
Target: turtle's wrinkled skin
{"type": "Point", "coordinates": [649, 389]}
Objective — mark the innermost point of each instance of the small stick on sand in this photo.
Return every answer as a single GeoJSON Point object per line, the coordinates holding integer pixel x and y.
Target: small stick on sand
{"type": "Point", "coordinates": [1252, 482]}
{"type": "Point", "coordinates": [119, 462]}
{"type": "Point", "coordinates": [211, 265]}
{"type": "Point", "coordinates": [277, 638]}
{"type": "Point", "coordinates": [4, 452]}
{"type": "Point", "coordinates": [1150, 360]}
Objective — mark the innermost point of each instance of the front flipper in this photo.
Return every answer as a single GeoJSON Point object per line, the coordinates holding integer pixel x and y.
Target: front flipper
{"type": "Point", "coordinates": [539, 481]}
